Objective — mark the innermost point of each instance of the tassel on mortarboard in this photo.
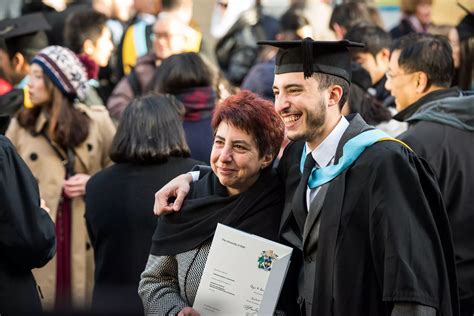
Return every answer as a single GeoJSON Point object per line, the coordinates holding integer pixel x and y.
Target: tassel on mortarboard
{"type": "Point", "coordinates": [307, 45]}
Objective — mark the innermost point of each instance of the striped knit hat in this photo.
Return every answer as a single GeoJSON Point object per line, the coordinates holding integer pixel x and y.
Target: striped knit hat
{"type": "Point", "coordinates": [64, 69]}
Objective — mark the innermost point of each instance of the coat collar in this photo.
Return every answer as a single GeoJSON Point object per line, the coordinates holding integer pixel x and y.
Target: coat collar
{"type": "Point", "coordinates": [357, 125]}
{"type": "Point", "coordinates": [432, 96]}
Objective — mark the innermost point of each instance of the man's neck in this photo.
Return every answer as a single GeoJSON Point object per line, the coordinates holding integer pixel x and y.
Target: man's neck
{"type": "Point", "coordinates": [328, 127]}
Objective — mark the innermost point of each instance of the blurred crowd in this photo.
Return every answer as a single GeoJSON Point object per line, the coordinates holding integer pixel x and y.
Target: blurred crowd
{"type": "Point", "coordinates": [114, 98]}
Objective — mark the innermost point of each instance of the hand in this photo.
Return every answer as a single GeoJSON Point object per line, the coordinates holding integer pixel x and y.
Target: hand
{"type": "Point", "coordinates": [44, 206]}
{"type": "Point", "coordinates": [176, 189]}
{"type": "Point", "coordinates": [75, 186]}
{"type": "Point", "coordinates": [188, 311]}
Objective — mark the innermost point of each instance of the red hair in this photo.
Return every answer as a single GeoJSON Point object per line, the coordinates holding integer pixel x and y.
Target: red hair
{"type": "Point", "coordinates": [256, 116]}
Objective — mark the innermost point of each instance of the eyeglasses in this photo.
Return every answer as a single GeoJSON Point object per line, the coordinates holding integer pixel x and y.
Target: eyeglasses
{"type": "Point", "coordinates": [390, 76]}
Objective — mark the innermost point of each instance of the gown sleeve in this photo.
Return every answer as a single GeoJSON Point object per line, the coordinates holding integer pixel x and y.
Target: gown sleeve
{"type": "Point", "coordinates": [409, 233]}
{"type": "Point", "coordinates": [28, 235]}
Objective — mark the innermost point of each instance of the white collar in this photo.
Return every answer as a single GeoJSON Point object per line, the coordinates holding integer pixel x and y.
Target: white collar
{"type": "Point", "coordinates": [325, 152]}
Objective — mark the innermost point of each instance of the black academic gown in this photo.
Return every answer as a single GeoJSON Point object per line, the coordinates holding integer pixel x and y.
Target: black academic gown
{"type": "Point", "coordinates": [374, 247]}
{"type": "Point", "coordinates": [27, 238]}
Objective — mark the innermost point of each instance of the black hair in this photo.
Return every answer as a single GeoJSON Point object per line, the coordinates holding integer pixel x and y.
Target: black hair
{"type": "Point", "coordinates": [183, 71]}
{"type": "Point", "coordinates": [374, 38]}
{"type": "Point", "coordinates": [292, 20]}
{"type": "Point", "coordinates": [27, 45]}
{"type": "Point", "coordinates": [150, 131]}
{"type": "Point", "coordinates": [81, 26]}
{"type": "Point", "coordinates": [371, 110]}
{"type": "Point", "coordinates": [171, 4]}
{"type": "Point", "coordinates": [431, 54]}
{"type": "Point", "coordinates": [349, 14]}
{"type": "Point", "coordinates": [326, 80]}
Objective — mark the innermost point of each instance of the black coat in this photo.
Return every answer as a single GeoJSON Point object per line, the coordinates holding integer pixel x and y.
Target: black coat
{"type": "Point", "coordinates": [27, 237]}
{"type": "Point", "coordinates": [449, 151]}
{"type": "Point", "coordinates": [376, 246]}
{"type": "Point", "coordinates": [121, 223]}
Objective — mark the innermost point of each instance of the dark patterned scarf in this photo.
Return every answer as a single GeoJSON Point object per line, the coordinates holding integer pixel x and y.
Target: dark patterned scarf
{"type": "Point", "coordinates": [199, 102]}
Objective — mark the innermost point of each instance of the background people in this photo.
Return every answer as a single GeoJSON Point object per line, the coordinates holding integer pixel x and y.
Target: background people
{"type": "Point", "coordinates": [194, 83]}
{"type": "Point", "coordinates": [149, 149]}
{"type": "Point", "coordinates": [63, 142]}
{"type": "Point", "coordinates": [86, 34]}
{"type": "Point", "coordinates": [441, 129]}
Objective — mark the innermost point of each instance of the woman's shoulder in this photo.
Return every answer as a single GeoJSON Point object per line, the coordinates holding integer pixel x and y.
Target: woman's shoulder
{"type": "Point", "coordinates": [93, 111]}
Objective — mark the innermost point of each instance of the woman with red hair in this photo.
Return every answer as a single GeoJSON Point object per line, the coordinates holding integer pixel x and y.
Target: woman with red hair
{"type": "Point", "coordinates": [241, 191]}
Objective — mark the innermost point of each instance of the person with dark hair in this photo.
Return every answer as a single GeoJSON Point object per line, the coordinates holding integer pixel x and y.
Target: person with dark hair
{"type": "Point", "coordinates": [149, 149]}
{"type": "Point", "coordinates": [241, 191]}
{"type": "Point", "coordinates": [373, 57]}
{"type": "Point", "coordinates": [20, 40]}
{"type": "Point", "coordinates": [63, 142]}
{"type": "Point", "coordinates": [441, 130]}
{"type": "Point", "coordinates": [416, 18]}
{"type": "Point", "coordinates": [465, 30]}
{"type": "Point", "coordinates": [28, 240]}
{"type": "Point", "coordinates": [86, 34]}
{"type": "Point", "coordinates": [372, 111]}
{"type": "Point", "coordinates": [194, 83]}
{"type": "Point", "coordinates": [358, 247]}
{"type": "Point", "coordinates": [346, 15]}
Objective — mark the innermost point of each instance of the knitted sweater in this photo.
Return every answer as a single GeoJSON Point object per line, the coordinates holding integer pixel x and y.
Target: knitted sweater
{"type": "Point", "coordinates": [170, 283]}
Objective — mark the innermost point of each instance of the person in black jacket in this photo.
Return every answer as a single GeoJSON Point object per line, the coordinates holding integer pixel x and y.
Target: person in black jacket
{"type": "Point", "coordinates": [149, 149]}
{"type": "Point", "coordinates": [441, 130]}
{"type": "Point", "coordinates": [27, 234]}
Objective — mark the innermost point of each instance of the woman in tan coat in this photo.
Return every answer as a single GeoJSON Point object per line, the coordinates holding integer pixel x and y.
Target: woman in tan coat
{"type": "Point", "coordinates": [64, 143]}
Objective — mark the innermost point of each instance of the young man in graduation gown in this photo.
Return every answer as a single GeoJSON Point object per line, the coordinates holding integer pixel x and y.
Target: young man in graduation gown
{"type": "Point", "coordinates": [441, 130]}
{"type": "Point", "coordinates": [20, 39]}
{"type": "Point", "coordinates": [366, 249]}
{"type": "Point", "coordinates": [363, 213]}
{"type": "Point", "coordinates": [27, 234]}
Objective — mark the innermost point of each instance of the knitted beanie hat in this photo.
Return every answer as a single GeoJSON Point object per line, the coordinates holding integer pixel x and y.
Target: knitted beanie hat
{"type": "Point", "coordinates": [64, 69]}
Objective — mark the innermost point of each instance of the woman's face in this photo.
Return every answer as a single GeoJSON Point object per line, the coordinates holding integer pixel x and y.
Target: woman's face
{"type": "Point", "coordinates": [235, 158]}
{"type": "Point", "coordinates": [39, 93]}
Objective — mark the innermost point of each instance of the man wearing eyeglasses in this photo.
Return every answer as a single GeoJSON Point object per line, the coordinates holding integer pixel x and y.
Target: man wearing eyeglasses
{"type": "Point", "coordinates": [441, 130]}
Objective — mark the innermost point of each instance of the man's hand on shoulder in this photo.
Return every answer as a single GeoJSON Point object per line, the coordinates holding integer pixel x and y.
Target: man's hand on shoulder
{"type": "Point", "coordinates": [171, 196]}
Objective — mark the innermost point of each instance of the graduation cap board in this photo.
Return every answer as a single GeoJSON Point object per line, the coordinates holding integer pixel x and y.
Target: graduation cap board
{"type": "Point", "coordinates": [309, 56]}
{"type": "Point", "coordinates": [465, 27]}
{"type": "Point", "coordinates": [25, 25]}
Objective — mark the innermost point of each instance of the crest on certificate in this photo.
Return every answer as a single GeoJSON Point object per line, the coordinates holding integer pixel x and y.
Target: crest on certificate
{"type": "Point", "coordinates": [266, 259]}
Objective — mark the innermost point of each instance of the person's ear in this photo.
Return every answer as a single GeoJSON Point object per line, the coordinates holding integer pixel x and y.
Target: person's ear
{"type": "Point", "coordinates": [267, 159]}
{"type": "Point", "coordinates": [339, 31]}
{"type": "Point", "coordinates": [18, 61]}
{"type": "Point", "coordinates": [421, 80]}
{"type": "Point", "coordinates": [383, 56]}
{"type": "Point", "coordinates": [88, 47]}
{"type": "Point", "coordinates": [335, 95]}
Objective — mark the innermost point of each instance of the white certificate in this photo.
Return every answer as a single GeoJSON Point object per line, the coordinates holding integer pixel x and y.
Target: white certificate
{"type": "Point", "coordinates": [244, 274]}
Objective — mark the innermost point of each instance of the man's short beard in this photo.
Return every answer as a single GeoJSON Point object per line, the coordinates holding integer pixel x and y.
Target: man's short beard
{"type": "Point", "coordinates": [314, 123]}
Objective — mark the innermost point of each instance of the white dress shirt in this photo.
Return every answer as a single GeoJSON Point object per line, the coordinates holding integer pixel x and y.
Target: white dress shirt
{"type": "Point", "coordinates": [325, 152]}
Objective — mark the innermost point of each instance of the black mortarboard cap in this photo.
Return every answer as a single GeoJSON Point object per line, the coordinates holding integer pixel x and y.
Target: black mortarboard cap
{"type": "Point", "coordinates": [309, 56]}
{"type": "Point", "coordinates": [22, 26]}
{"type": "Point", "coordinates": [465, 28]}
